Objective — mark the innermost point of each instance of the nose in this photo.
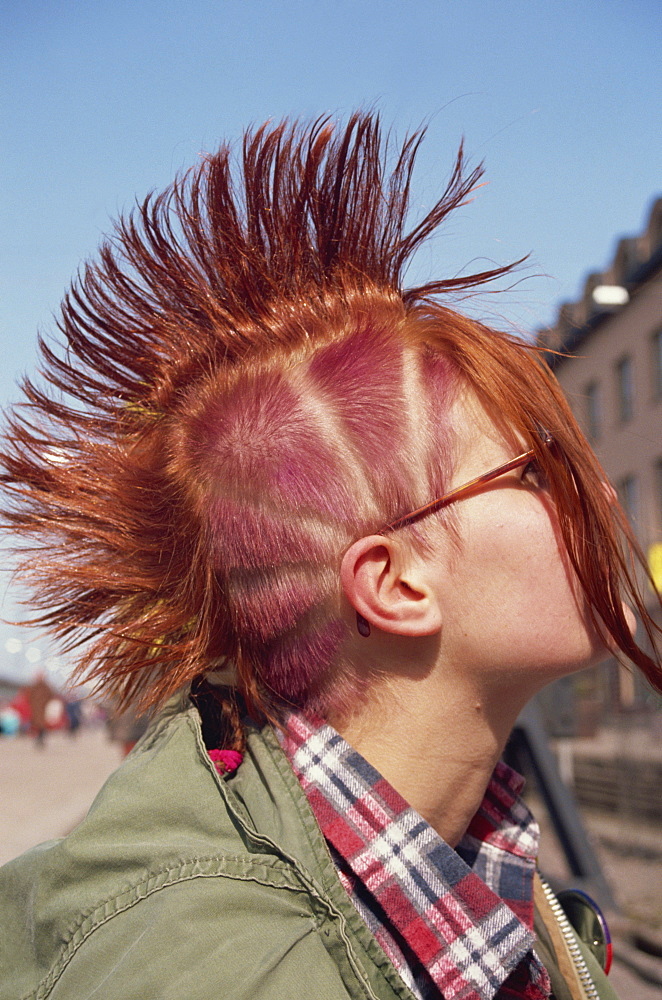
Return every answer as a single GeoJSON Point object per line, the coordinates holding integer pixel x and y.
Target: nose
{"type": "Point", "coordinates": [610, 492]}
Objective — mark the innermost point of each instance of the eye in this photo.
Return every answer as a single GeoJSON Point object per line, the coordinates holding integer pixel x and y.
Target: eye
{"type": "Point", "coordinates": [533, 475]}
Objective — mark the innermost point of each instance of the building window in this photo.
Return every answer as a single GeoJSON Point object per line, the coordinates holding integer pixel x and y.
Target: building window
{"type": "Point", "coordinates": [656, 363]}
{"type": "Point", "coordinates": [628, 493]}
{"type": "Point", "coordinates": [625, 389]}
{"type": "Point", "coordinates": [593, 410]}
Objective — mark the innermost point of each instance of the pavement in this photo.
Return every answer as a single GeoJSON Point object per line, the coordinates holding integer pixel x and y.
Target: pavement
{"type": "Point", "coordinates": [46, 792]}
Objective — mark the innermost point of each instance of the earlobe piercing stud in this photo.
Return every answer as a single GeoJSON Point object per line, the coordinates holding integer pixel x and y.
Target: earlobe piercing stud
{"type": "Point", "coordinates": [362, 625]}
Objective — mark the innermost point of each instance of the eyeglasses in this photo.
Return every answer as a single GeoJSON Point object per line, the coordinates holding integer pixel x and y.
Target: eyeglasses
{"type": "Point", "coordinates": [460, 491]}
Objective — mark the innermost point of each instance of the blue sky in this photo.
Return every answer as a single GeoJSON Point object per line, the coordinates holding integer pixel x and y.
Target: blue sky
{"type": "Point", "coordinates": [107, 99]}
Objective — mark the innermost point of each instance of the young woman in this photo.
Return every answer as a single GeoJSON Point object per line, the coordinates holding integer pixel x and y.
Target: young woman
{"type": "Point", "coordinates": [342, 533]}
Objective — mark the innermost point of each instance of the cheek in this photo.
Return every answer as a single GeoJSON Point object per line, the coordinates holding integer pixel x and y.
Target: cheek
{"type": "Point", "coordinates": [516, 560]}
{"type": "Point", "coordinates": [513, 600]}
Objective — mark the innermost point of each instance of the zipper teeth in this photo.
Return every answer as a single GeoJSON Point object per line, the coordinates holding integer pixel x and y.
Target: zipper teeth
{"type": "Point", "coordinates": [573, 947]}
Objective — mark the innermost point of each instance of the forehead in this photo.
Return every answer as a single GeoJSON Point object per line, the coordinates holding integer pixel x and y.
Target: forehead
{"type": "Point", "coordinates": [480, 436]}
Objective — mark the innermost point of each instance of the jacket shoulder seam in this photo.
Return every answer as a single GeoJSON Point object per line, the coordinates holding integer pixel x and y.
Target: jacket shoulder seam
{"type": "Point", "coordinates": [267, 872]}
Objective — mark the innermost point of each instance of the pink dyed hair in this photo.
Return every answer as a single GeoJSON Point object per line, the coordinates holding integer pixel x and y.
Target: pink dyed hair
{"type": "Point", "coordinates": [286, 462]}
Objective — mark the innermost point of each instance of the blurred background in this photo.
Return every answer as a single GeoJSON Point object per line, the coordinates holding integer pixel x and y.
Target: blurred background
{"type": "Point", "coordinates": [106, 101]}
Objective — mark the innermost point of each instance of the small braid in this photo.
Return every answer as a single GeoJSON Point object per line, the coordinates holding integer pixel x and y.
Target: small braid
{"type": "Point", "coordinates": [222, 710]}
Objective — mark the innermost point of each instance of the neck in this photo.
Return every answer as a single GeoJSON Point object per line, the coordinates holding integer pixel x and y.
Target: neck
{"type": "Point", "coordinates": [438, 748]}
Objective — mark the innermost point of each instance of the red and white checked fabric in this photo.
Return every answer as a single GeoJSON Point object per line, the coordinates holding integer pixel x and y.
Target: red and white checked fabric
{"type": "Point", "coordinates": [454, 922]}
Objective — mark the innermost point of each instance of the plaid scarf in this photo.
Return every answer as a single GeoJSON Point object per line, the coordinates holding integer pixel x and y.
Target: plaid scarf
{"type": "Point", "coordinates": [456, 923]}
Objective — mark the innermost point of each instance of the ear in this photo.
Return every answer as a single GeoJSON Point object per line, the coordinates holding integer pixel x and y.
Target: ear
{"type": "Point", "coordinates": [387, 584]}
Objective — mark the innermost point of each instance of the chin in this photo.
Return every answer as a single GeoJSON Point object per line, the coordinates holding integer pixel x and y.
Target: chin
{"type": "Point", "coordinates": [590, 654]}
{"type": "Point", "coordinates": [630, 619]}
{"type": "Point", "coordinates": [608, 645]}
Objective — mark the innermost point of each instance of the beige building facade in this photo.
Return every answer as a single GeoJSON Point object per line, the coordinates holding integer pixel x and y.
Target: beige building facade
{"type": "Point", "coordinates": [613, 381]}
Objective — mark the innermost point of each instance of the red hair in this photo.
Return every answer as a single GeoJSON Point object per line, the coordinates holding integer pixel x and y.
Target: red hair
{"type": "Point", "coordinates": [246, 388]}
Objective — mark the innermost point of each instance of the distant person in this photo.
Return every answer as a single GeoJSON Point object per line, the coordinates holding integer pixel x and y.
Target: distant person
{"type": "Point", "coordinates": [10, 721]}
{"type": "Point", "coordinates": [74, 713]}
{"type": "Point", "coordinates": [340, 533]}
{"type": "Point", "coordinates": [39, 696]}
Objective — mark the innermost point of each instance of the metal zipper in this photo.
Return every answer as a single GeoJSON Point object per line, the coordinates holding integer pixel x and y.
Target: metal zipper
{"type": "Point", "coordinates": [568, 934]}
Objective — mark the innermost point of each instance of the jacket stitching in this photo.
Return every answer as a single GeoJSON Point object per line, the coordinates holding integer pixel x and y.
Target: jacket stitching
{"type": "Point", "coordinates": [79, 933]}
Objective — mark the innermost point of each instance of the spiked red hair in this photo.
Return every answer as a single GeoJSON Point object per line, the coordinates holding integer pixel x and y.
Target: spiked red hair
{"type": "Point", "coordinates": [246, 388]}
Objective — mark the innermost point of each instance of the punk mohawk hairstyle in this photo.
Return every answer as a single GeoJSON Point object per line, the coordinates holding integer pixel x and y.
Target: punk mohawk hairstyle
{"type": "Point", "coordinates": [143, 555]}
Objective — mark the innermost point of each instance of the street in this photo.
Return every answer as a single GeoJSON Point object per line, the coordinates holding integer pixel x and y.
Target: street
{"type": "Point", "coordinates": [45, 792]}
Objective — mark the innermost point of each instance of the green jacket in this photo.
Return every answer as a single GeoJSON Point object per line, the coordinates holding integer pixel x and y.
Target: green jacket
{"type": "Point", "coordinates": [181, 885]}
